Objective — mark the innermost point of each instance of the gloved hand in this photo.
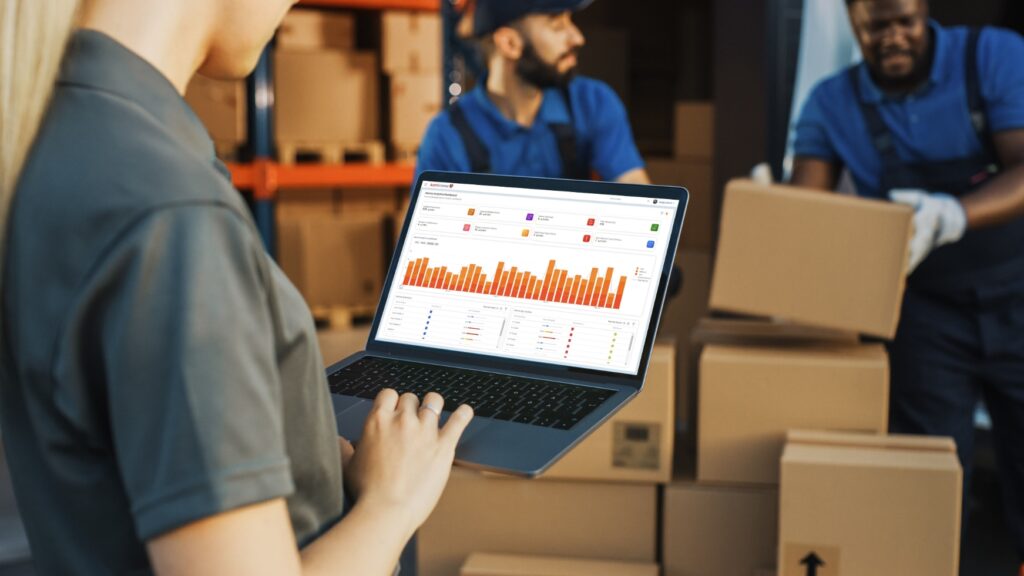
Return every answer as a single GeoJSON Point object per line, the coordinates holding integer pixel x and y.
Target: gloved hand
{"type": "Point", "coordinates": [938, 219]}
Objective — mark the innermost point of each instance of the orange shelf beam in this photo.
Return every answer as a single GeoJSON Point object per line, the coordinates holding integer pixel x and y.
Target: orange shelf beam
{"type": "Point", "coordinates": [265, 178]}
{"type": "Point", "coordinates": [426, 5]}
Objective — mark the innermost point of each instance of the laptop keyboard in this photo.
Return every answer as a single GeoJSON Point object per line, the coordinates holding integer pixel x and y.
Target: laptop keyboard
{"type": "Point", "coordinates": [510, 398]}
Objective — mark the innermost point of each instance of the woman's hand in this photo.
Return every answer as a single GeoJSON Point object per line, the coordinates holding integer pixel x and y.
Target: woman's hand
{"type": "Point", "coordinates": [404, 459]}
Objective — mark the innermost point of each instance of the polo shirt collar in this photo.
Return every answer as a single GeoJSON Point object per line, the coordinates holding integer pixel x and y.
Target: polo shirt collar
{"type": "Point", "coordinates": [870, 93]}
{"type": "Point", "coordinates": [553, 110]}
{"type": "Point", "coordinates": [97, 61]}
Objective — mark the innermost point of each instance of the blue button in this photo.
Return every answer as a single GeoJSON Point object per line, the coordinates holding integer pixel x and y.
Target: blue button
{"type": "Point", "coordinates": [650, 243]}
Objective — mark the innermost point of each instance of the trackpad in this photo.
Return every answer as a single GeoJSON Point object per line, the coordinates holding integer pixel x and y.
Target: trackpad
{"type": "Point", "coordinates": [351, 420]}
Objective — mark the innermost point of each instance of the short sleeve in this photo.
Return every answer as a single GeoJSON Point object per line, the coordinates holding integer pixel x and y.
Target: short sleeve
{"type": "Point", "coordinates": [811, 138]}
{"type": "Point", "coordinates": [1001, 63]}
{"type": "Point", "coordinates": [193, 390]}
{"type": "Point", "coordinates": [614, 151]}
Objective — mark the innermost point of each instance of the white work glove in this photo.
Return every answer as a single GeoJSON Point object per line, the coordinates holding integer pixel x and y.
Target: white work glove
{"type": "Point", "coordinates": [762, 174]}
{"type": "Point", "coordinates": [938, 219]}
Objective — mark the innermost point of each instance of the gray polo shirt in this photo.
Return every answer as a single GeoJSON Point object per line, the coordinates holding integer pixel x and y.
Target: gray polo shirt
{"type": "Point", "coordinates": [161, 368]}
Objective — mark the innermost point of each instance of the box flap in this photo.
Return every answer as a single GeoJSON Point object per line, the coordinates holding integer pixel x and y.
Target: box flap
{"type": "Point", "coordinates": [479, 564]}
{"type": "Point", "coordinates": [877, 441]}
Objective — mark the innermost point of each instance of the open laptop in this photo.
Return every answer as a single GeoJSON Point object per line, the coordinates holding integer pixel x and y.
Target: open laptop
{"type": "Point", "coordinates": [536, 301]}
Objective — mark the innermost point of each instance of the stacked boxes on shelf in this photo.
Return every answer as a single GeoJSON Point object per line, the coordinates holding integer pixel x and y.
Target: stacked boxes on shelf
{"type": "Point", "coordinates": [412, 59]}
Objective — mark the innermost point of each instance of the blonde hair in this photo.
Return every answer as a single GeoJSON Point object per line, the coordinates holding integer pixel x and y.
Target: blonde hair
{"type": "Point", "coordinates": [33, 36]}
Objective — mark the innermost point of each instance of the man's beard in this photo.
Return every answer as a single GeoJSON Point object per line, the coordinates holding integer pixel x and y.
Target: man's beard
{"type": "Point", "coordinates": [535, 71]}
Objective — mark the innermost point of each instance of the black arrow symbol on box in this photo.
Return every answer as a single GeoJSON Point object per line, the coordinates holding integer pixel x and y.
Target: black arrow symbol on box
{"type": "Point", "coordinates": [812, 562]}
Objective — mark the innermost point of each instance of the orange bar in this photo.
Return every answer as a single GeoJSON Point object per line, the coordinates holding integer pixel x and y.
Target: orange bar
{"type": "Point", "coordinates": [609, 300]}
{"type": "Point", "coordinates": [575, 289]}
{"type": "Point", "coordinates": [441, 276]}
{"type": "Point", "coordinates": [496, 280]}
{"type": "Point", "coordinates": [618, 293]}
{"type": "Point", "coordinates": [433, 277]}
{"type": "Point", "coordinates": [415, 271]}
{"type": "Point", "coordinates": [487, 287]}
{"type": "Point", "coordinates": [597, 293]}
{"type": "Point", "coordinates": [530, 292]}
{"type": "Point", "coordinates": [502, 284]}
{"type": "Point", "coordinates": [480, 285]}
{"type": "Point", "coordinates": [509, 288]}
{"type": "Point", "coordinates": [515, 284]}
{"type": "Point", "coordinates": [422, 272]}
{"type": "Point", "coordinates": [561, 285]}
{"type": "Point", "coordinates": [590, 287]}
{"type": "Point", "coordinates": [607, 284]}
{"type": "Point", "coordinates": [520, 285]}
{"type": "Point", "coordinates": [583, 291]}
{"type": "Point", "coordinates": [447, 281]}
{"type": "Point", "coordinates": [474, 277]}
{"type": "Point", "coordinates": [462, 280]}
{"type": "Point", "coordinates": [547, 281]}
{"type": "Point", "coordinates": [408, 271]}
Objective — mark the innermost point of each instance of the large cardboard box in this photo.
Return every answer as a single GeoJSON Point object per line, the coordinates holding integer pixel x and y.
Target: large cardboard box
{"type": "Point", "coordinates": [303, 202]}
{"type": "Point", "coordinates": [512, 565]}
{"type": "Point", "coordinates": [695, 130]}
{"type": "Point", "coordinates": [316, 29]}
{"type": "Point", "coordinates": [853, 504]}
{"type": "Point", "coordinates": [816, 258]}
{"type": "Point", "coordinates": [751, 395]}
{"type": "Point", "coordinates": [415, 101]}
{"type": "Point", "coordinates": [340, 343]}
{"type": "Point", "coordinates": [326, 97]}
{"type": "Point", "coordinates": [221, 106]}
{"type": "Point", "coordinates": [634, 445]}
{"type": "Point", "coordinates": [714, 530]}
{"type": "Point", "coordinates": [335, 261]}
{"type": "Point", "coordinates": [678, 320]}
{"type": "Point", "coordinates": [480, 513]}
{"type": "Point", "coordinates": [411, 41]}
{"type": "Point", "coordinates": [695, 176]}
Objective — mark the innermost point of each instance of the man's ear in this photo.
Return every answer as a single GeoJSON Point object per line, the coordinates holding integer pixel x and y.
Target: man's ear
{"type": "Point", "coordinates": [508, 42]}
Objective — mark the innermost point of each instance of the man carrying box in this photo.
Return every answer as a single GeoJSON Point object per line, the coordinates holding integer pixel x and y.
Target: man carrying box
{"type": "Point", "coordinates": [934, 118]}
{"type": "Point", "coordinates": [529, 116]}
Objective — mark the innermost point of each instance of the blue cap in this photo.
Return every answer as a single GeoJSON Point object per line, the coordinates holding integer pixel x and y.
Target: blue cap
{"type": "Point", "coordinates": [493, 14]}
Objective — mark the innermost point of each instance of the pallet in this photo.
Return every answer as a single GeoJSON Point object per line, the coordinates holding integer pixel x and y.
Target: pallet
{"type": "Point", "coordinates": [343, 317]}
{"type": "Point", "coordinates": [406, 153]}
{"type": "Point", "coordinates": [332, 153]}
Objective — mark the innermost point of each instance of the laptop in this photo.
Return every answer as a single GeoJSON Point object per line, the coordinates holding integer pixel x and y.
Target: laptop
{"type": "Point", "coordinates": [533, 300]}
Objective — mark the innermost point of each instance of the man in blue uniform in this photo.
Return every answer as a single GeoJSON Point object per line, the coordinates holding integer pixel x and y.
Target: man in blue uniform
{"type": "Point", "coordinates": [530, 116]}
{"type": "Point", "coordinates": [934, 118]}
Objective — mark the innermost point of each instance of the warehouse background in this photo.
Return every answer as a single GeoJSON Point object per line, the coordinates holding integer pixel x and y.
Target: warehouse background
{"type": "Point", "coordinates": [708, 85]}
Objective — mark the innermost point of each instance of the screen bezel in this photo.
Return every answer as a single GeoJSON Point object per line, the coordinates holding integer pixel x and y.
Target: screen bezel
{"type": "Point", "coordinates": [536, 369]}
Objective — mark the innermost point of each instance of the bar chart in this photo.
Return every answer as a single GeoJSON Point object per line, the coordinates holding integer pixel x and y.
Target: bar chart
{"type": "Point", "coordinates": [557, 285]}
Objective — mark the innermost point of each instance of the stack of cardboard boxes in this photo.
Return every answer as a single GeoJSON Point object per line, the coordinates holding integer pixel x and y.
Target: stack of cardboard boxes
{"type": "Point", "coordinates": [413, 63]}
{"type": "Point", "coordinates": [596, 509]}
{"type": "Point", "coordinates": [221, 106]}
{"type": "Point", "coordinates": [841, 500]}
{"type": "Point", "coordinates": [690, 166]}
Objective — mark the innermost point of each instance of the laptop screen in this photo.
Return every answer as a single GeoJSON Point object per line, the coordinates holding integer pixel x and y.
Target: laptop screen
{"type": "Point", "coordinates": [565, 278]}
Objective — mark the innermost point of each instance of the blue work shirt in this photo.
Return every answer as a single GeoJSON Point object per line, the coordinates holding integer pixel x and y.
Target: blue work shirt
{"type": "Point", "coordinates": [603, 135]}
{"type": "Point", "coordinates": [930, 125]}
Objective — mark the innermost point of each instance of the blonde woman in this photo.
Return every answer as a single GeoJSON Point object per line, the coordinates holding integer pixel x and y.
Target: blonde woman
{"type": "Point", "coordinates": [164, 406]}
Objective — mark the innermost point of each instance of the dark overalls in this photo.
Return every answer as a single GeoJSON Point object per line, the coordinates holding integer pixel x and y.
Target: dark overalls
{"type": "Point", "coordinates": [961, 334]}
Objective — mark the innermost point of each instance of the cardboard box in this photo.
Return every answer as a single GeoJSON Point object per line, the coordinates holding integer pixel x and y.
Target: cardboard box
{"type": "Point", "coordinates": [695, 176]}
{"type": "Point", "coordinates": [221, 106]}
{"type": "Point", "coordinates": [854, 504]}
{"type": "Point", "coordinates": [412, 42]}
{"type": "Point", "coordinates": [634, 445]}
{"type": "Point", "coordinates": [750, 395]}
{"type": "Point", "coordinates": [317, 29]}
{"type": "Point", "coordinates": [479, 513]}
{"type": "Point", "coordinates": [755, 331]}
{"type": "Point", "coordinates": [304, 202]}
{"type": "Point", "coordinates": [415, 101]}
{"type": "Point", "coordinates": [678, 320]}
{"type": "Point", "coordinates": [510, 565]}
{"type": "Point", "coordinates": [334, 260]}
{"type": "Point", "coordinates": [719, 530]}
{"type": "Point", "coordinates": [326, 97]}
{"type": "Point", "coordinates": [338, 344]}
{"type": "Point", "coordinates": [695, 130]}
{"type": "Point", "coordinates": [815, 258]}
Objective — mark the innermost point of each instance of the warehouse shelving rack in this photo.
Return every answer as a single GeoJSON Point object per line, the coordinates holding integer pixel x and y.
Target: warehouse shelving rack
{"type": "Point", "coordinates": [263, 176]}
